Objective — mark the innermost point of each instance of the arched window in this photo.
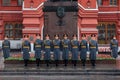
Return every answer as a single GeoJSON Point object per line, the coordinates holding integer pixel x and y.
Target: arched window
{"type": "Point", "coordinates": [6, 2]}
{"type": "Point", "coordinates": [9, 30]}
{"type": "Point", "coordinates": [18, 31]}
{"type": "Point", "coordinates": [20, 2]}
{"type": "Point", "coordinates": [105, 32]}
{"type": "Point", "coordinates": [6, 26]}
{"type": "Point", "coordinates": [113, 2]}
{"type": "Point", "coordinates": [13, 30]}
{"type": "Point", "coordinates": [99, 2]}
{"type": "Point", "coordinates": [101, 33]}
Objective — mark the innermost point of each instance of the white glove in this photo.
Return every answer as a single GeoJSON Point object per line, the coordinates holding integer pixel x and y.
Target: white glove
{"type": "Point", "coordinates": [29, 52]}
{"type": "Point", "coordinates": [96, 52]}
{"type": "Point", "coordinates": [42, 51]}
{"type": "Point", "coordinates": [22, 52]}
{"type": "Point", "coordinates": [118, 51]}
{"type": "Point", "coordinates": [51, 52]}
{"type": "Point", "coordinates": [70, 52]}
{"type": "Point", "coordinates": [88, 52]}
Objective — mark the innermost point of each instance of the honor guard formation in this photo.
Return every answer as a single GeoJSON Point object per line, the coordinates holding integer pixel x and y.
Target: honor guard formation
{"type": "Point", "coordinates": [65, 46]}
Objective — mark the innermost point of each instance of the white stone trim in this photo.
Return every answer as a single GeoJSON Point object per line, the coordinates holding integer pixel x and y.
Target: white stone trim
{"type": "Point", "coordinates": [43, 3]}
{"type": "Point", "coordinates": [34, 9]}
{"type": "Point", "coordinates": [103, 49]}
{"type": "Point", "coordinates": [31, 29]}
{"type": "Point", "coordinates": [88, 29]}
{"type": "Point", "coordinates": [89, 9]}
{"type": "Point", "coordinates": [11, 11]}
{"type": "Point", "coordinates": [78, 33]}
{"type": "Point", "coordinates": [42, 32]}
{"type": "Point", "coordinates": [109, 12]}
{"type": "Point", "coordinates": [119, 49]}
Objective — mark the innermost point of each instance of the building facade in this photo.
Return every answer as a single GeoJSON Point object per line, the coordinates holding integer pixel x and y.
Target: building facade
{"type": "Point", "coordinates": [100, 17]}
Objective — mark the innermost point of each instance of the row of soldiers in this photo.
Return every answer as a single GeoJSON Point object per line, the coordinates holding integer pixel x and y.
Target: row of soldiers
{"type": "Point", "coordinates": [65, 46]}
{"type": "Point", "coordinates": [57, 46]}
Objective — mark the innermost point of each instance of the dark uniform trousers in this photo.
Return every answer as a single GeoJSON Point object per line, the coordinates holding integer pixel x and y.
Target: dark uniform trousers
{"type": "Point", "coordinates": [26, 50]}
{"type": "Point", "coordinates": [93, 62]}
{"type": "Point", "coordinates": [56, 47]}
{"type": "Point", "coordinates": [38, 61]}
{"type": "Point", "coordinates": [26, 62]}
{"type": "Point", "coordinates": [66, 49]}
{"type": "Point", "coordinates": [74, 62]}
{"type": "Point", "coordinates": [47, 48]}
{"type": "Point", "coordinates": [83, 62]}
{"type": "Point", "coordinates": [74, 50]}
{"type": "Point", "coordinates": [38, 47]}
{"type": "Point", "coordinates": [93, 49]}
{"type": "Point", "coordinates": [83, 49]}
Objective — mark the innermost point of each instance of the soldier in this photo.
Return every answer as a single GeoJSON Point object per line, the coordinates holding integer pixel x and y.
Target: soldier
{"type": "Point", "coordinates": [26, 50]}
{"type": "Point", "coordinates": [66, 49]}
{"type": "Point", "coordinates": [56, 49]}
{"type": "Point", "coordinates": [83, 49]}
{"type": "Point", "coordinates": [114, 47]}
{"type": "Point", "coordinates": [47, 48]}
{"type": "Point", "coordinates": [38, 48]}
{"type": "Point", "coordinates": [93, 47]}
{"type": "Point", "coordinates": [6, 47]}
{"type": "Point", "coordinates": [74, 49]}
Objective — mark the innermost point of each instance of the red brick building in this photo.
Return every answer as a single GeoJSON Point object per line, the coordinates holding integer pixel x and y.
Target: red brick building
{"type": "Point", "coordinates": [100, 17]}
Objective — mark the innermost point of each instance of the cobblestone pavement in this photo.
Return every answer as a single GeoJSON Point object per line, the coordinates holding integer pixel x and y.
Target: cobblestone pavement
{"type": "Point", "coordinates": [80, 77]}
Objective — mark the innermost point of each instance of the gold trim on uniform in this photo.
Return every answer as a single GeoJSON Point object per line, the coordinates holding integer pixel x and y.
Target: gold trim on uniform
{"type": "Point", "coordinates": [5, 46]}
{"type": "Point", "coordinates": [114, 45]}
{"type": "Point", "coordinates": [56, 47]}
{"type": "Point", "coordinates": [83, 46]}
{"type": "Point", "coordinates": [25, 46]}
{"type": "Point", "coordinates": [93, 47]}
{"type": "Point", "coordinates": [37, 45]}
{"type": "Point", "coordinates": [75, 47]}
{"type": "Point", "coordinates": [65, 45]}
{"type": "Point", "coordinates": [47, 46]}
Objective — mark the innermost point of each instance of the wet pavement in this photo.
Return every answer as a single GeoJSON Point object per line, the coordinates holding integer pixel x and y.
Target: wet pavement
{"type": "Point", "coordinates": [32, 72]}
{"type": "Point", "coordinates": [32, 67]}
{"type": "Point", "coordinates": [78, 77]}
{"type": "Point", "coordinates": [100, 68]}
{"type": "Point", "coordinates": [60, 67]}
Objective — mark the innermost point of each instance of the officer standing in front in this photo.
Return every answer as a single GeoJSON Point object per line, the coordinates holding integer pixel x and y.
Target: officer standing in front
{"type": "Point", "coordinates": [6, 47]}
{"type": "Point", "coordinates": [48, 49]}
{"type": "Point", "coordinates": [74, 49]}
{"type": "Point", "coordinates": [26, 50]}
{"type": "Point", "coordinates": [38, 48]}
{"type": "Point", "coordinates": [93, 47]}
{"type": "Point", "coordinates": [114, 47]}
{"type": "Point", "coordinates": [66, 49]}
{"type": "Point", "coordinates": [56, 49]}
{"type": "Point", "coordinates": [83, 49]}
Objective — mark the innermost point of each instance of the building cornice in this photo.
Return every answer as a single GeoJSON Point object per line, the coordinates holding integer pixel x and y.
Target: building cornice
{"type": "Point", "coordinates": [11, 11]}
{"type": "Point", "coordinates": [33, 9]}
{"type": "Point", "coordinates": [108, 12]}
{"type": "Point", "coordinates": [89, 9]}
